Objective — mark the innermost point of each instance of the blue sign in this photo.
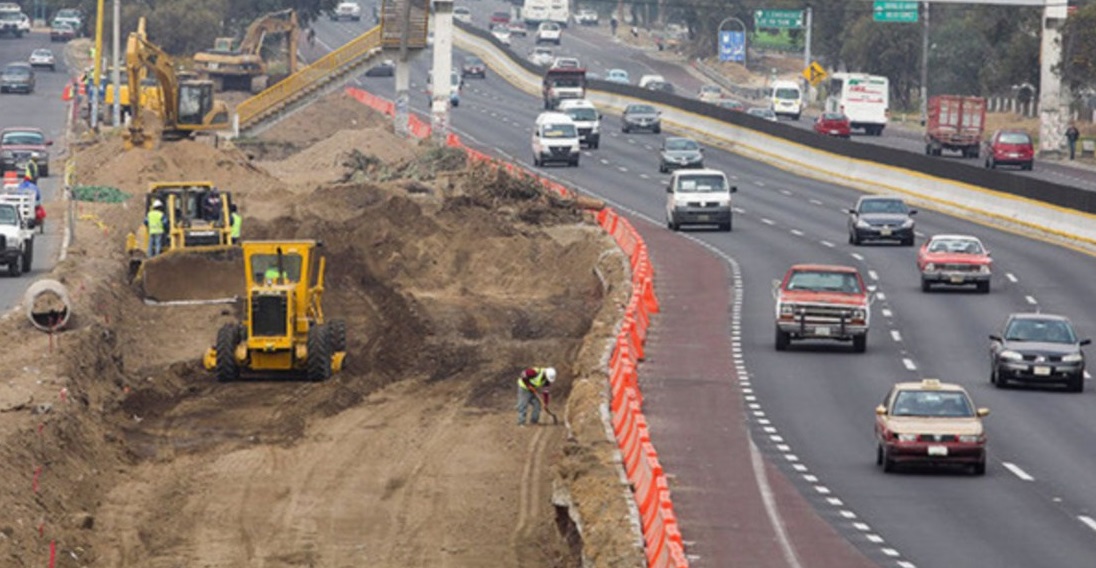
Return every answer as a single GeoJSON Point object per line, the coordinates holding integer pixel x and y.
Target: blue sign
{"type": "Point", "coordinates": [732, 46]}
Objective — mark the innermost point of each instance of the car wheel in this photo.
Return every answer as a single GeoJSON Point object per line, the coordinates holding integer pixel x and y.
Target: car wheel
{"type": "Point", "coordinates": [991, 164]}
{"type": "Point", "coordinates": [860, 343]}
{"type": "Point", "coordinates": [1076, 383]}
{"type": "Point", "coordinates": [624, 129]}
{"type": "Point", "coordinates": [998, 379]}
{"type": "Point", "coordinates": [1029, 166]}
{"type": "Point", "coordinates": [782, 340]}
{"type": "Point", "coordinates": [979, 468]}
{"type": "Point", "coordinates": [661, 168]}
{"type": "Point", "coordinates": [879, 454]}
{"type": "Point", "coordinates": [658, 130]}
{"type": "Point", "coordinates": [574, 163]}
{"type": "Point", "coordinates": [925, 285]}
{"type": "Point", "coordinates": [15, 267]}
{"type": "Point", "coordinates": [854, 238]}
{"type": "Point", "coordinates": [907, 242]}
{"type": "Point", "coordinates": [536, 161]}
{"type": "Point", "coordinates": [44, 171]}
{"type": "Point", "coordinates": [888, 463]}
{"type": "Point", "coordinates": [983, 287]}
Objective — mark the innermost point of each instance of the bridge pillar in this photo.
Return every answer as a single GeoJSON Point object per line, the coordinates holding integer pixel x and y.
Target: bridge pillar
{"type": "Point", "coordinates": [442, 89]}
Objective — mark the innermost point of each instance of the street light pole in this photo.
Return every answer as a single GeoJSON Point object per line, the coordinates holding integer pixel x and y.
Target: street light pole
{"type": "Point", "coordinates": [116, 72]}
{"type": "Point", "coordinates": [925, 65]}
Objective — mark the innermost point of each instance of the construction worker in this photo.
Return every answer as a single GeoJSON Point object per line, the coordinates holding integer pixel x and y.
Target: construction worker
{"type": "Point", "coordinates": [237, 224]}
{"type": "Point", "coordinates": [271, 276]}
{"type": "Point", "coordinates": [31, 170]}
{"type": "Point", "coordinates": [155, 222]}
{"type": "Point", "coordinates": [533, 384]}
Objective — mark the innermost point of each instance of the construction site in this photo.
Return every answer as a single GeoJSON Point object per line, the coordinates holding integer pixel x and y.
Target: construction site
{"type": "Point", "coordinates": [122, 449]}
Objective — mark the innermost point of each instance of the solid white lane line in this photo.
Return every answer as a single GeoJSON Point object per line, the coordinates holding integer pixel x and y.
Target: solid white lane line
{"type": "Point", "coordinates": [1015, 469]}
{"type": "Point", "coordinates": [910, 366]}
{"type": "Point", "coordinates": [1011, 277]}
{"type": "Point", "coordinates": [895, 335]}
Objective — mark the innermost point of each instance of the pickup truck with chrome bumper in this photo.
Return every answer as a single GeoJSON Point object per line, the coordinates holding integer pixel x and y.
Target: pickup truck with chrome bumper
{"type": "Point", "coordinates": [822, 311]}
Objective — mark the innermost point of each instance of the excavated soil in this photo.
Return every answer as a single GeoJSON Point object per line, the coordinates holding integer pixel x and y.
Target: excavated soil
{"type": "Point", "coordinates": [121, 450]}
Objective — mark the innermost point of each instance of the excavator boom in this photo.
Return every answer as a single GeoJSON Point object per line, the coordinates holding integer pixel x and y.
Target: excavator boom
{"type": "Point", "coordinates": [244, 68]}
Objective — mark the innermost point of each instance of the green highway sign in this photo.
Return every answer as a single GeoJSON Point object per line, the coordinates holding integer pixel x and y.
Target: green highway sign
{"type": "Point", "coordinates": [899, 11]}
{"type": "Point", "coordinates": [778, 19]}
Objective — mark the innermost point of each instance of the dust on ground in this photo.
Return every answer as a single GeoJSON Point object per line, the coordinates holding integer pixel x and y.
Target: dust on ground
{"type": "Point", "coordinates": [449, 284]}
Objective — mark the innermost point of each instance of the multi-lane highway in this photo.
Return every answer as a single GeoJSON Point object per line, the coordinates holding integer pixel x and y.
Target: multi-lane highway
{"type": "Point", "coordinates": [42, 109]}
{"type": "Point", "coordinates": [1037, 503]}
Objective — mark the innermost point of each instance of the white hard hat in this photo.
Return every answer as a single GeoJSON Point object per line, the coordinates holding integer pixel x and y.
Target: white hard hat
{"type": "Point", "coordinates": [157, 203]}
{"type": "Point", "coordinates": [550, 374]}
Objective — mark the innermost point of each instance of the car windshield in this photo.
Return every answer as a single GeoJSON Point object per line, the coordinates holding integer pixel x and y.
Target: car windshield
{"type": "Point", "coordinates": [472, 61]}
{"type": "Point", "coordinates": [22, 138]}
{"type": "Point", "coordinates": [730, 104]}
{"type": "Point", "coordinates": [833, 116]}
{"type": "Point", "coordinates": [709, 89]}
{"type": "Point", "coordinates": [640, 109]}
{"type": "Point", "coordinates": [43, 52]}
{"type": "Point", "coordinates": [582, 114]}
{"type": "Point", "coordinates": [941, 404]}
{"type": "Point", "coordinates": [701, 183]}
{"type": "Point", "coordinates": [883, 206]}
{"type": "Point", "coordinates": [956, 246]}
{"type": "Point", "coordinates": [7, 216]}
{"type": "Point", "coordinates": [786, 93]}
{"type": "Point", "coordinates": [1014, 138]}
{"type": "Point", "coordinates": [679, 144]}
{"type": "Point", "coordinates": [618, 73]}
{"type": "Point", "coordinates": [17, 71]}
{"type": "Point", "coordinates": [824, 281]}
{"type": "Point", "coordinates": [560, 131]}
{"type": "Point", "coordinates": [1044, 330]}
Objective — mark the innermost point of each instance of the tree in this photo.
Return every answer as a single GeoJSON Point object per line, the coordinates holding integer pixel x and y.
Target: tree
{"type": "Point", "coordinates": [1078, 65]}
{"type": "Point", "coordinates": [891, 50]}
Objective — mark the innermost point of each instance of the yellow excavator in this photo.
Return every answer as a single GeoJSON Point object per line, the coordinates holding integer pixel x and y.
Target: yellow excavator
{"type": "Point", "coordinates": [187, 106]}
{"type": "Point", "coordinates": [150, 90]}
{"type": "Point", "coordinates": [242, 67]}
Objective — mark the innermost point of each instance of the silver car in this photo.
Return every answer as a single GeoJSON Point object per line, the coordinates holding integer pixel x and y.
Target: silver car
{"type": "Point", "coordinates": [17, 78]}
{"type": "Point", "coordinates": [43, 58]}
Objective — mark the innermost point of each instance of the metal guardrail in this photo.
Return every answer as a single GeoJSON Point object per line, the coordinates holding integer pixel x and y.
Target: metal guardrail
{"type": "Point", "coordinates": [314, 74]}
{"type": "Point", "coordinates": [716, 77]}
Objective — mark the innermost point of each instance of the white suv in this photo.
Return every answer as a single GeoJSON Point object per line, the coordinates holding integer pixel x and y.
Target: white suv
{"type": "Point", "coordinates": [699, 197]}
{"type": "Point", "coordinates": [549, 32]}
{"type": "Point", "coordinates": [347, 10]}
{"type": "Point", "coordinates": [555, 139]}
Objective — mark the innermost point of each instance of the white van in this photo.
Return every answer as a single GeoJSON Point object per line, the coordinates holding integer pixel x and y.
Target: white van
{"type": "Point", "coordinates": [555, 139]}
{"type": "Point", "coordinates": [786, 99]}
{"type": "Point", "coordinates": [699, 197]}
{"type": "Point", "coordinates": [587, 119]}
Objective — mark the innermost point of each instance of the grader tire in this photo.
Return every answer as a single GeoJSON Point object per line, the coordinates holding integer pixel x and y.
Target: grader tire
{"type": "Point", "coordinates": [318, 363]}
{"type": "Point", "coordinates": [337, 331]}
{"type": "Point", "coordinates": [227, 338]}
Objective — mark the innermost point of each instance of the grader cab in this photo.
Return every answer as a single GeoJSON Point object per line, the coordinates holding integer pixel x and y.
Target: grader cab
{"type": "Point", "coordinates": [284, 331]}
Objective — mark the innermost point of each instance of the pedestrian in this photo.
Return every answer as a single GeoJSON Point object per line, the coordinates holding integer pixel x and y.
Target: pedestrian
{"type": "Point", "coordinates": [311, 37]}
{"type": "Point", "coordinates": [533, 384]}
{"type": "Point", "coordinates": [1072, 134]}
{"type": "Point", "coordinates": [635, 32]}
{"type": "Point", "coordinates": [613, 25]}
{"type": "Point", "coordinates": [155, 222]}
{"type": "Point", "coordinates": [28, 185]}
{"type": "Point", "coordinates": [237, 224]}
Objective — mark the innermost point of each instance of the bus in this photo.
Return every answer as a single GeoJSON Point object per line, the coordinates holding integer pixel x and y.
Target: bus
{"type": "Point", "coordinates": [863, 98]}
{"type": "Point", "coordinates": [533, 12]}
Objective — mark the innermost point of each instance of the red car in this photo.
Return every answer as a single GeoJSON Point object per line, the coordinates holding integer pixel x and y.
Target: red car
{"type": "Point", "coordinates": [500, 18]}
{"type": "Point", "coordinates": [833, 124]}
{"type": "Point", "coordinates": [820, 301]}
{"type": "Point", "coordinates": [19, 144]}
{"type": "Point", "coordinates": [954, 260]}
{"type": "Point", "coordinates": [1010, 147]}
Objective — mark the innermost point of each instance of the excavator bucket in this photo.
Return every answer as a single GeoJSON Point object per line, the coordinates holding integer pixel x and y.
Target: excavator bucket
{"type": "Point", "coordinates": [198, 260]}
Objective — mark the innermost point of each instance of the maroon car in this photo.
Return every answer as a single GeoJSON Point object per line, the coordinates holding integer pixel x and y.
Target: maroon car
{"type": "Point", "coordinates": [1010, 147]}
{"type": "Point", "coordinates": [833, 124]}
{"type": "Point", "coordinates": [18, 144]}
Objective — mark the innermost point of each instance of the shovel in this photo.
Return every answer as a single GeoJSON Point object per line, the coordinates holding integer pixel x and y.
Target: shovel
{"type": "Point", "coordinates": [544, 405]}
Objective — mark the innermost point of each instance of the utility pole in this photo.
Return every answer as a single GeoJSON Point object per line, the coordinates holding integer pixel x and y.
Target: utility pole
{"type": "Point", "coordinates": [116, 72]}
{"type": "Point", "coordinates": [97, 75]}
{"type": "Point", "coordinates": [925, 64]}
{"type": "Point", "coordinates": [807, 52]}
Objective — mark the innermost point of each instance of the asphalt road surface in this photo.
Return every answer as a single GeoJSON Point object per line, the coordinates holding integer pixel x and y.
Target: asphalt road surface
{"type": "Point", "coordinates": [42, 109]}
{"type": "Point", "coordinates": [1034, 507]}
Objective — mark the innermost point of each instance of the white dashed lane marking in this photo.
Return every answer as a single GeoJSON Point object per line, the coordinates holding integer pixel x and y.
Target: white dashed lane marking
{"type": "Point", "coordinates": [857, 256]}
{"type": "Point", "coordinates": [797, 232]}
{"type": "Point", "coordinates": [1015, 469]}
{"type": "Point", "coordinates": [1031, 300]}
{"type": "Point", "coordinates": [910, 366]}
{"type": "Point", "coordinates": [768, 221]}
{"type": "Point", "coordinates": [1011, 277]}
{"type": "Point", "coordinates": [895, 335]}
{"type": "Point", "coordinates": [827, 244]}
{"type": "Point", "coordinates": [887, 313]}
{"type": "Point", "coordinates": [872, 274]}
{"type": "Point", "coordinates": [815, 202]}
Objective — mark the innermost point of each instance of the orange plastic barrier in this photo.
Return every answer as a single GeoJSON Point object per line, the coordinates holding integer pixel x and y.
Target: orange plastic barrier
{"type": "Point", "coordinates": [661, 534]}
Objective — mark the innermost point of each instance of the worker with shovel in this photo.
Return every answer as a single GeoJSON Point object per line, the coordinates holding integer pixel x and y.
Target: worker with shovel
{"type": "Point", "coordinates": [533, 390]}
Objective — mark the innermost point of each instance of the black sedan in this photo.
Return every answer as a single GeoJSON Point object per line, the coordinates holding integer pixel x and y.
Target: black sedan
{"type": "Point", "coordinates": [679, 152]}
{"type": "Point", "coordinates": [641, 117]}
{"type": "Point", "coordinates": [473, 67]}
{"type": "Point", "coordinates": [881, 218]}
{"type": "Point", "coordinates": [386, 68]}
{"type": "Point", "coordinates": [1038, 349]}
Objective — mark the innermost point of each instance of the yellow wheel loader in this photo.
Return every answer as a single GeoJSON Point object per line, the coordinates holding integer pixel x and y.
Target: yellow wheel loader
{"type": "Point", "coordinates": [284, 331]}
{"type": "Point", "coordinates": [198, 260]}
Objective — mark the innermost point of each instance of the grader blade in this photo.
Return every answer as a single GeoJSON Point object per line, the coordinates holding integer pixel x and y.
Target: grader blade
{"type": "Point", "coordinates": [214, 274]}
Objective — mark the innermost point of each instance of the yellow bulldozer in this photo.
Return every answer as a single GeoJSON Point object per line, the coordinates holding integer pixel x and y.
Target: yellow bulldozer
{"type": "Point", "coordinates": [242, 67]}
{"type": "Point", "coordinates": [198, 261]}
{"type": "Point", "coordinates": [284, 331]}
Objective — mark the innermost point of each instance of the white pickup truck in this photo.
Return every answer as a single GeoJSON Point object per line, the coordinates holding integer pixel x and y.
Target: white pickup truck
{"type": "Point", "coordinates": [16, 232]}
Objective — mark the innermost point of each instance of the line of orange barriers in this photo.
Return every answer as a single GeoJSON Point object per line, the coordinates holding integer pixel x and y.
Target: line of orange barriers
{"type": "Point", "coordinates": [661, 534]}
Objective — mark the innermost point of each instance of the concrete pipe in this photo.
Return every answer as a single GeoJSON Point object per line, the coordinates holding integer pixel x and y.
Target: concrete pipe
{"type": "Point", "coordinates": [48, 305]}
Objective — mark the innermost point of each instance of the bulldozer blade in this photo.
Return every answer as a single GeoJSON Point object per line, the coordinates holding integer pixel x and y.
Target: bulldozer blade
{"type": "Point", "coordinates": [207, 273]}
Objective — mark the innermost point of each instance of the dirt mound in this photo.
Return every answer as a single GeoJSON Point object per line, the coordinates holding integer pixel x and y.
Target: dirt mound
{"type": "Point", "coordinates": [450, 282]}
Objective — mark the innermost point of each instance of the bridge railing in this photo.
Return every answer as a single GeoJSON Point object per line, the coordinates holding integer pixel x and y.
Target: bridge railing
{"type": "Point", "coordinates": [315, 73]}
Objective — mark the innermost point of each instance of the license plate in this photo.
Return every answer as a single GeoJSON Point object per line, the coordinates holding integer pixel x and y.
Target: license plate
{"type": "Point", "coordinates": [956, 279]}
{"type": "Point", "coordinates": [703, 217]}
{"type": "Point", "coordinates": [1041, 370]}
{"type": "Point", "coordinates": [822, 331]}
{"type": "Point", "coordinates": [885, 231]}
{"type": "Point", "coordinates": [1013, 155]}
{"type": "Point", "coordinates": [938, 450]}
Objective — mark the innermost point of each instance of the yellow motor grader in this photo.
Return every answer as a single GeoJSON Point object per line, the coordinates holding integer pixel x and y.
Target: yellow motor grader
{"type": "Point", "coordinates": [284, 331]}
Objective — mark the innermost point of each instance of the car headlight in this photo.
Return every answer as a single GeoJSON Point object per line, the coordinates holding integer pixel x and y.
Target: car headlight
{"type": "Point", "coordinates": [970, 438]}
{"type": "Point", "coordinates": [1073, 358]}
{"type": "Point", "coordinates": [907, 223]}
{"type": "Point", "coordinates": [7, 155]}
{"type": "Point", "coordinates": [595, 129]}
{"type": "Point", "coordinates": [984, 269]}
{"type": "Point", "coordinates": [1010, 355]}
{"type": "Point", "coordinates": [862, 224]}
{"type": "Point", "coordinates": [930, 267]}
{"type": "Point", "coordinates": [787, 309]}
{"type": "Point", "coordinates": [906, 437]}
{"type": "Point", "coordinates": [859, 314]}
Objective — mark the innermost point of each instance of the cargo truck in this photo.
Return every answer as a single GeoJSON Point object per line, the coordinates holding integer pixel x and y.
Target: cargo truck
{"type": "Point", "coordinates": [955, 123]}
